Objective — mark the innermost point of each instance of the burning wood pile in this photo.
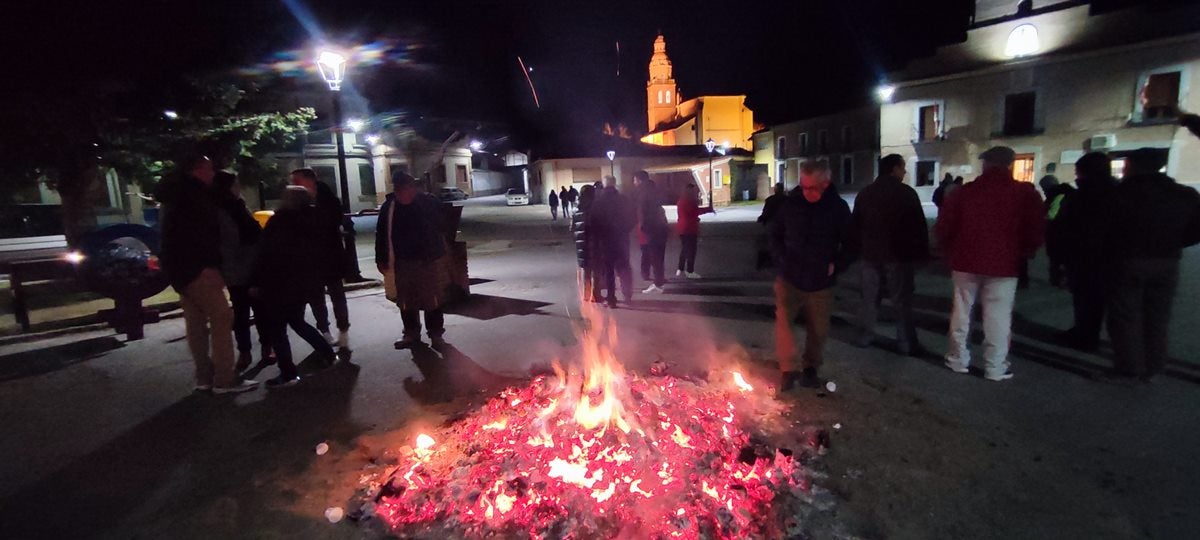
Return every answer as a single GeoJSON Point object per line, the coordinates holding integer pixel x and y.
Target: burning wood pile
{"type": "Point", "coordinates": [599, 453]}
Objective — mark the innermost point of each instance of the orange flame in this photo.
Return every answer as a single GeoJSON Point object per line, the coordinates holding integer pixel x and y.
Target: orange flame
{"type": "Point", "coordinates": [741, 383]}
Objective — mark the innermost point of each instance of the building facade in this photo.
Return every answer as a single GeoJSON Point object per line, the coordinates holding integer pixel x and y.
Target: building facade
{"type": "Point", "coordinates": [1052, 80]}
{"type": "Point", "coordinates": [848, 140]}
{"type": "Point", "coordinates": [673, 121]}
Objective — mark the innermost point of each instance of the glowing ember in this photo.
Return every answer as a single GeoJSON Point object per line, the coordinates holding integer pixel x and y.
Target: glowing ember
{"type": "Point", "coordinates": [541, 461]}
{"type": "Point", "coordinates": [741, 383]}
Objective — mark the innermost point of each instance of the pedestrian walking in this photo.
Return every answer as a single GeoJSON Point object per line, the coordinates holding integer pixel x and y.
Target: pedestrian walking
{"type": "Point", "coordinates": [1077, 235]}
{"type": "Point", "coordinates": [1152, 219]}
{"type": "Point", "coordinates": [652, 231]}
{"type": "Point", "coordinates": [688, 228]}
{"type": "Point", "coordinates": [410, 250]}
{"type": "Point", "coordinates": [553, 200]}
{"type": "Point", "coordinates": [239, 248]}
{"type": "Point", "coordinates": [564, 200]}
{"type": "Point", "coordinates": [587, 252]}
{"type": "Point", "coordinates": [330, 257]}
{"type": "Point", "coordinates": [892, 238]}
{"type": "Point", "coordinates": [809, 239]}
{"type": "Point", "coordinates": [613, 218]}
{"type": "Point", "coordinates": [287, 274]}
{"type": "Point", "coordinates": [191, 258]}
{"type": "Point", "coordinates": [770, 209]}
{"type": "Point", "coordinates": [987, 230]}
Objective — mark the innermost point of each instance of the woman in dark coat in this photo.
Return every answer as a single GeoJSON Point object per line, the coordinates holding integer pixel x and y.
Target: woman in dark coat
{"type": "Point", "coordinates": [286, 278]}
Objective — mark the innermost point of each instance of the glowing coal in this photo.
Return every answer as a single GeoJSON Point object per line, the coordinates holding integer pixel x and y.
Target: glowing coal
{"type": "Point", "coordinates": [599, 453]}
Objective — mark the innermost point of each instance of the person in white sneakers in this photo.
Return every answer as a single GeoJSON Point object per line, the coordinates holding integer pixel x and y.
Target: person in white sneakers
{"type": "Point", "coordinates": [688, 227]}
{"type": "Point", "coordinates": [988, 229]}
{"type": "Point", "coordinates": [652, 231]}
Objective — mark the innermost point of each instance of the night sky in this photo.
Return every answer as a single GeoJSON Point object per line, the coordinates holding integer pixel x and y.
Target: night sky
{"type": "Point", "coordinates": [458, 59]}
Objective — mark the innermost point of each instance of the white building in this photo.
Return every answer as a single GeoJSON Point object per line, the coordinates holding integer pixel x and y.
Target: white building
{"type": "Point", "coordinates": [1052, 80]}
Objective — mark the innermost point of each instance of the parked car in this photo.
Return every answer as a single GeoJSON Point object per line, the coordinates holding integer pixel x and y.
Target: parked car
{"type": "Point", "coordinates": [452, 194]}
{"type": "Point", "coordinates": [516, 197]}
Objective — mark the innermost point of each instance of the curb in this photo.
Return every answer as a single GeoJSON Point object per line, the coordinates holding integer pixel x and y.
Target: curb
{"type": "Point", "coordinates": [169, 310]}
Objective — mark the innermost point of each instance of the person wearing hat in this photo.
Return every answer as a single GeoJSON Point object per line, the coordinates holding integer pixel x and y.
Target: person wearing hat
{"type": "Point", "coordinates": [1151, 220]}
{"type": "Point", "coordinates": [410, 251]}
{"type": "Point", "coordinates": [987, 230]}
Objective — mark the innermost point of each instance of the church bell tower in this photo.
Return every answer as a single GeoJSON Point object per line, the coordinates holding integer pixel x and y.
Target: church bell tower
{"type": "Point", "coordinates": [661, 95]}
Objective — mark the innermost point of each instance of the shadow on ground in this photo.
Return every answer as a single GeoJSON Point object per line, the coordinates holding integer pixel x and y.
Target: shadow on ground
{"type": "Point", "coordinates": [45, 360]}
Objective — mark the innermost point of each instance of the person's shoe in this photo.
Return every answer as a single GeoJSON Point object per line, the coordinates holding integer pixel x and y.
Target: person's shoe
{"type": "Point", "coordinates": [956, 367]}
{"type": "Point", "coordinates": [283, 381]}
{"type": "Point", "coordinates": [809, 378]}
{"type": "Point", "coordinates": [653, 289]}
{"type": "Point", "coordinates": [439, 344]}
{"type": "Point", "coordinates": [202, 388]}
{"type": "Point", "coordinates": [787, 380]}
{"type": "Point", "coordinates": [237, 388]}
{"type": "Point", "coordinates": [243, 362]}
{"type": "Point", "coordinates": [343, 339]}
{"type": "Point", "coordinates": [1000, 377]}
{"type": "Point", "coordinates": [407, 342]}
{"type": "Point", "coordinates": [678, 273]}
{"type": "Point", "coordinates": [693, 275]}
{"type": "Point", "coordinates": [328, 338]}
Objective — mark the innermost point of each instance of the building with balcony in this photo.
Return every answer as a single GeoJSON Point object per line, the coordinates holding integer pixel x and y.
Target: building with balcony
{"type": "Point", "coordinates": [848, 140]}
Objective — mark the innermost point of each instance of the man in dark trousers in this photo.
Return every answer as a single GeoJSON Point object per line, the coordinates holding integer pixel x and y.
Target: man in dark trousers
{"type": "Point", "coordinates": [1152, 220]}
{"type": "Point", "coordinates": [889, 229]}
{"type": "Point", "coordinates": [770, 209]}
{"type": "Point", "coordinates": [652, 231]}
{"type": "Point", "coordinates": [330, 258]}
{"type": "Point", "coordinates": [613, 218]}
{"type": "Point", "coordinates": [988, 229]}
{"type": "Point", "coordinates": [410, 249]}
{"type": "Point", "coordinates": [1076, 233]}
{"type": "Point", "coordinates": [809, 240]}
{"type": "Point", "coordinates": [191, 258]}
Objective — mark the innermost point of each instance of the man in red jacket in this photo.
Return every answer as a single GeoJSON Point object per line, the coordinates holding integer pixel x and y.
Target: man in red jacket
{"type": "Point", "coordinates": [987, 229]}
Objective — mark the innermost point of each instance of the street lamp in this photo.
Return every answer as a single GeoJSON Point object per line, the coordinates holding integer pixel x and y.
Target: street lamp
{"type": "Point", "coordinates": [710, 145]}
{"type": "Point", "coordinates": [611, 167]}
{"type": "Point", "coordinates": [332, 66]}
{"type": "Point", "coordinates": [884, 93]}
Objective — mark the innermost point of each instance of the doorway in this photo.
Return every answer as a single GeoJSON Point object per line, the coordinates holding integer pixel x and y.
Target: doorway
{"type": "Point", "coordinates": [926, 173]}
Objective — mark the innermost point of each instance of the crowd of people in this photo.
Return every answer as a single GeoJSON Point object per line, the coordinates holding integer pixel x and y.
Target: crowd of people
{"type": "Point", "coordinates": [1118, 244]}
{"type": "Point", "coordinates": [214, 249]}
{"type": "Point", "coordinates": [603, 222]}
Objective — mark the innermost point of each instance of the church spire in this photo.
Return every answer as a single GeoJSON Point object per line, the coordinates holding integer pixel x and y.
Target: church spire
{"type": "Point", "coordinates": [661, 96]}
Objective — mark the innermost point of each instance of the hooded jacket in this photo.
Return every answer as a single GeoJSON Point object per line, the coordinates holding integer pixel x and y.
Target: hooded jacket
{"type": "Point", "coordinates": [806, 237]}
{"type": "Point", "coordinates": [191, 233]}
{"type": "Point", "coordinates": [990, 226]}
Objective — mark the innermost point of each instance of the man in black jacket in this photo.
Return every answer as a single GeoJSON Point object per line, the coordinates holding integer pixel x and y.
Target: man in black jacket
{"type": "Point", "coordinates": [410, 250]}
{"type": "Point", "coordinates": [613, 218]}
{"type": "Point", "coordinates": [1076, 235]}
{"type": "Point", "coordinates": [330, 256]}
{"type": "Point", "coordinates": [889, 229]}
{"type": "Point", "coordinates": [191, 257]}
{"type": "Point", "coordinates": [1152, 220]}
{"type": "Point", "coordinates": [809, 241]}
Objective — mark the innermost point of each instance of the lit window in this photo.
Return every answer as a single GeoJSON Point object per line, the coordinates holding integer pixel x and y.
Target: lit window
{"type": "Point", "coordinates": [1160, 96]}
{"type": "Point", "coordinates": [1023, 41]}
{"type": "Point", "coordinates": [929, 123]}
{"type": "Point", "coordinates": [668, 96]}
{"type": "Point", "coordinates": [660, 96]}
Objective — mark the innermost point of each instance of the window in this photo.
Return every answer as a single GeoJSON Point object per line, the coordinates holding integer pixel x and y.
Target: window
{"type": "Point", "coordinates": [1019, 113]}
{"type": "Point", "coordinates": [718, 176]}
{"type": "Point", "coordinates": [668, 96]}
{"type": "Point", "coordinates": [1118, 167]}
{"type": "Point", "coordinates": [823, 141]}
{"type": "Point", "coordinates": [460, 175]}
{"type": "Point", "coordinates": [803, 144]}
{"type": "Point", "coordinates": [847, 136]}
{"type": "Point", "coordinates": [929, 123]}
{"type": "Point", "coordinates": [1160, 96]}
{"type": "Point", "coordinates": [926, 173]}
{"type": "Point", "coordinates": [660, 96]}
{"type": "Point", "coordinates": [327, 175]}
{"type": "Point", "coordinates": [1023, 170]}
{"type": "Point", "coordinates": [781, 148]}
{"type": "Point", "coordinates": [366, 179]}
{"type": "Point", "coordinates": [847, 170]}
{"type": "Point", "coordinates": [781, 169]}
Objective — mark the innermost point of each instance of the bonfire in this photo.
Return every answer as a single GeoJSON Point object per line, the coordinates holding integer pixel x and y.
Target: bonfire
{"type": "Point", "coordinates": [592, 451]}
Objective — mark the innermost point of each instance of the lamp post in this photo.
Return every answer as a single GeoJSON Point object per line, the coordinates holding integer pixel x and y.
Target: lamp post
{"type": "Point", "coordinates": [611, 167]}
{"type": "Point", "coordinates": [710, 145]}
{"type": "Point", "coordinates": [333, 69]}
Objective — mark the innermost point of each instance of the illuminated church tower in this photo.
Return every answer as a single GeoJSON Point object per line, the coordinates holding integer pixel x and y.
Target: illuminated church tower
{"type": "Point", "coordinates": [661, 95]}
